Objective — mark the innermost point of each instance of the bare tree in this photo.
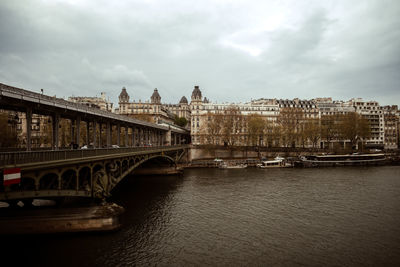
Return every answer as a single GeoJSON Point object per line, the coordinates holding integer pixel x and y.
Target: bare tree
{"type": "Point", "coordinates": [354, 127]}
{"type": "Point", "coordinates": [256, 127]}
{"type": "Point", "coordinates": [231, 125]}
{"type": "Point", "coordinates": [213, 128]}
{"type": "Point", "coordinates": [312, 131]}
{"type": "Point", "coordinates": [330, 128]}
{"type": "Point", "coordinates": [290, 120]}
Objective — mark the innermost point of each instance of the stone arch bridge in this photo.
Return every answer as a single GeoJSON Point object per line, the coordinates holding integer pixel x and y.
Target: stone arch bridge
{"type": "Point", "coordinates": [90, 173]}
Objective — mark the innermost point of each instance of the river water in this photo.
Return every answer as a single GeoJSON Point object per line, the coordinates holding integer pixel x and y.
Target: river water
{"type": "Point", "coordinates": [239, 217]}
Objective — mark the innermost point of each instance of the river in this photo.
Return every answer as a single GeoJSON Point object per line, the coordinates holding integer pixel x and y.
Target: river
{"type": "Point", "coordinates": [239, 217]}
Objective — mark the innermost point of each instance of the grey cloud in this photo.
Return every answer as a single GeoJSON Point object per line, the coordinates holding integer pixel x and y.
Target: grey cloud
{"type": "Point", "coordinates": [339, 49]}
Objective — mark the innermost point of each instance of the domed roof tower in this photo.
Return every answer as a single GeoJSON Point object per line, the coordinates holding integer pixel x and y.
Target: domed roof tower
{"type": "Point", "coordinates": [155, 97]}
{"type": "Point", "coordinates": [183, 100]}
{"type": "Point", "coordinates": [196, 94]}
{"type": "Point", "coordinates": [123, 96]}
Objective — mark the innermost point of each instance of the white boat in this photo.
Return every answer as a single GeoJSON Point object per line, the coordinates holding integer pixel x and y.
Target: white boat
{"type": "Point", "coordinates": [278, 162]}
{"type": "Point", "coordinates": [226, 166]}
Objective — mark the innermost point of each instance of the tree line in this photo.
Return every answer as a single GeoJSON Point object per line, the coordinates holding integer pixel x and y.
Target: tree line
{"type": "Point", "coordinates": [291, 128]}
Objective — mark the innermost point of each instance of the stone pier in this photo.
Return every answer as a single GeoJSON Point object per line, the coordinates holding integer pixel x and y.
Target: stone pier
{"type": "Point", "coordinates": [105, 217]}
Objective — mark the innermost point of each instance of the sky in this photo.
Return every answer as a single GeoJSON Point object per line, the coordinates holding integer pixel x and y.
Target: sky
{"type": "Point", "coordinates": [234, 50]}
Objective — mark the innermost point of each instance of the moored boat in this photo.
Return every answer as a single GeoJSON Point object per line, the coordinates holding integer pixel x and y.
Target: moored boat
{"type": "Point", "coordinates": [340, 160]}
{"type": "Point", "coordinates": [224, 165]}
{"type": "Point", "coordinates": [277, 162]}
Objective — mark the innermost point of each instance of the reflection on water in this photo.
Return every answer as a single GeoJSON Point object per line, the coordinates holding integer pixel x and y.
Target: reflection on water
{"type": "Point", "coordinates": [241, 217]}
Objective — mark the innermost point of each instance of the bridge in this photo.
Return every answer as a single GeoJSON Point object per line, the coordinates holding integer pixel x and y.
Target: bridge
{"type": "Point", "coordinates": [94, 172]}
{"type": "Point", "coordinates": [78, 173]}
{"type": "Point", "coordinates": [140, 132]}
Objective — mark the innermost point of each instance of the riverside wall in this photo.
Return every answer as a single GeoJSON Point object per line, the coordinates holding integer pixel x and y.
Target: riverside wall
{"type": "Point", "coordinates": [207, 153]}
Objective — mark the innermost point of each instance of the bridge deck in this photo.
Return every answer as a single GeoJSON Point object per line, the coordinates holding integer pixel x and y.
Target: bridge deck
{"type": "Point", "coordinates": [31, 158]}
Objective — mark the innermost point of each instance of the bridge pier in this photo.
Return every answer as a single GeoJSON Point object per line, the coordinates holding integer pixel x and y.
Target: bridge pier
{"type": "Point", "coordinates": [133, 136]}
{"type": "Point", "coordinates": [94, 129]}
{"type": "Point", "coordinates": [87, 133]}
{"type": "Point", "coordinates": [168, 138]}
{"type": "Point", "coordinates": [68, 219]}
{"type": "Point", "coordinates": [28, 128]}
{"type": "Point", "coordinates": [100, 134]}
{"type": "Point", "coordinates": [126, 136]}
{"type": "Point", "coordinates": [72, 132]}
{"type": "Point", "coordinates": [140, 136]}
{"type": "Point", "coordinates": [108, 133]}
{"type": "Point", "coordinates": [118, 134]}
{"type": "Point", "coordinates": [78, 130]}
{"type": "Point", "coordinates": [55, 124]}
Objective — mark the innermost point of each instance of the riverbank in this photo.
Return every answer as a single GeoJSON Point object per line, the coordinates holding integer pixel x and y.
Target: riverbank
{"type": "Point", "coordinates": [252, 162]}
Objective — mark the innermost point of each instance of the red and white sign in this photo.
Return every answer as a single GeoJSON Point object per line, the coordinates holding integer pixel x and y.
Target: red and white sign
{"type": "Point", "coordinates": [12, 176]}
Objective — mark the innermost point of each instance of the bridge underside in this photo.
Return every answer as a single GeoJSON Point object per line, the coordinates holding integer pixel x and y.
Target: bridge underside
{"type": "Point", "coordinates": [91, 178]}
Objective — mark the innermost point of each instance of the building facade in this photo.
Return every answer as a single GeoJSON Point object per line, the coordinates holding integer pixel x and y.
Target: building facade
{"type": "Point", "coordinates": [153, 110]}
{"type": "Point", "coordinates": [298, 115]}
{"type": "Point", "coordinates": [97, 102]}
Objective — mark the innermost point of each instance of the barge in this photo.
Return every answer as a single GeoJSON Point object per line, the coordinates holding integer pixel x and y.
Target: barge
{"type": "Point", "coordinates": [341, 160]}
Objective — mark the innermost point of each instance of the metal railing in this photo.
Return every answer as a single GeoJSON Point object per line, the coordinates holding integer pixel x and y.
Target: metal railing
{"type": "Point", "coordinates": [17, 158]}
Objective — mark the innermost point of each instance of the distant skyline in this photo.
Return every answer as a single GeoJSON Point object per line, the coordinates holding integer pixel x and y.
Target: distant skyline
{"type": "Point", "coordinates": [234, 50]}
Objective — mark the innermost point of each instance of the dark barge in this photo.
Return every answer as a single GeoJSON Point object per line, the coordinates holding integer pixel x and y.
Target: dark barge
{"type": "Point", "coordinates": [341, 160]}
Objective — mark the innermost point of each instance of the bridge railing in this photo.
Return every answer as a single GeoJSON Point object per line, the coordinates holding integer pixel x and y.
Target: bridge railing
{"type": "Point", "coordinates": [16, 158]}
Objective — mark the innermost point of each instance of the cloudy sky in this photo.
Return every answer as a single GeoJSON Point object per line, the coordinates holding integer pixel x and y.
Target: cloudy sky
{"type": "Point", "coordinates": [234, 50]}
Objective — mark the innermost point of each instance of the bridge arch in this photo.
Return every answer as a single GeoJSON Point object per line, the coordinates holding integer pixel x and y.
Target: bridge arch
{"type": "Point", "coordinates": [49, 180]}
{"type": "Point", "coordinates": [113, 182]}
{"type": "Point", "coordinates": [69, 179]}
